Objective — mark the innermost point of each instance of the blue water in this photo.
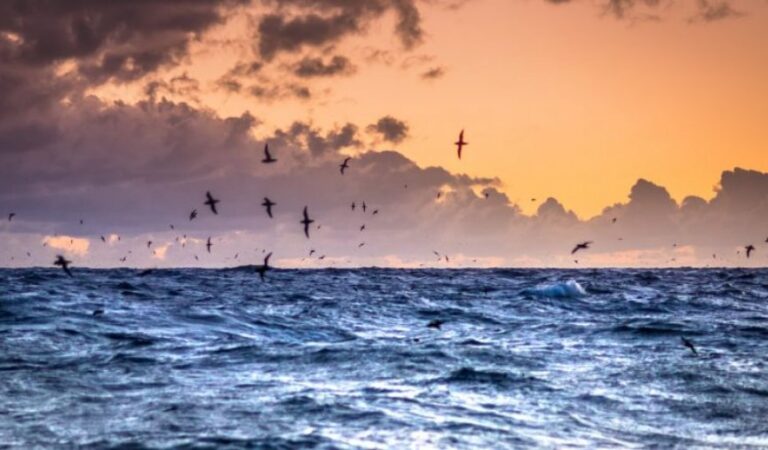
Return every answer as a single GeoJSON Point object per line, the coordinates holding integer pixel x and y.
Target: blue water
{"type": "Point", "coordinates": [344, 359]}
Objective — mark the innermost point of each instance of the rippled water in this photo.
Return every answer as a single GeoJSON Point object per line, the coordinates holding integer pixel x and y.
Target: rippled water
{"type": "Point", "coordinates": [344, 358]}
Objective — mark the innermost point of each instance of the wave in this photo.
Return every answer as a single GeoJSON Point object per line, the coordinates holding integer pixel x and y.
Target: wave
{"type": "Point", "coordinates": [568, 289]}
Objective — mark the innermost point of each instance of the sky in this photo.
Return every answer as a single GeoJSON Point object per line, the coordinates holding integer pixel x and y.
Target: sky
{"type": "Point", "coordinates": [123, 114]}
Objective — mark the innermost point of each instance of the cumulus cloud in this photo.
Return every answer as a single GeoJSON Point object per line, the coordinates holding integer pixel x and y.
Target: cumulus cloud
{"type": "Point", "coordinates": [390, 129]}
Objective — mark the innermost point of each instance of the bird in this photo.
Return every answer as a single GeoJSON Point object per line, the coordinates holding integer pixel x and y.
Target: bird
{"type": "Point", "coordinates": [353, 208]}
{"type": "Point", "coordinates": [103, 239]}
{"type": "Point", "coordinates": [211, 202]}
{"type": "Point", "coordinates": [689, 344]}
{"type": "Point", "coordinates": [63, 263]}
{"type": "Point", "coordinates": [97, 312]}
{"type": "Point", "coordinates": [149, 244]}
{"type": "Point", "coordinates": [208, 244]}
{"type": "Point", "coordinates": [344, 166]}
{"type": "Point", "coordinates": [311, 252]}
{"type": "Point", "coordinates": [436, 324]}
{"type": "Point", "coordinates": [460, 143]}
{"type": "Point", "coordinates": [749, 248]}
{"type": "Point", "coordinates": [268, 204]}
{"type": "Point", "coordinates": [306, 222]}
{"type": "Point", "coordinates": [193, 215]}
{"type": "Point", "coordinates": [11, 216]}
{"type": "Point", "coordinates": [267, 156]}
{"type": "Point", "coordinates": [613, 220]}
{"type": "Point", "coordinates": [123, 259]}
{"type": "Point", "coordinates": [487, 194]}
{"type": "Point", "coordinates": [361, 244]}
{"type": "Point", "coordinates": [172, 227]}
{"type": "Point", "coordinates": [262, 269]}
{"type": "Point", "coordinates": [375, 211]}
{"type": "Point", "coordinates": [439, 194]}
{"type": "Point", "coordinates": [581, 246]}
{"type": "Point", "coordinates": [362, 227]}
{"type": "Point", "coordinates": [364, 206]}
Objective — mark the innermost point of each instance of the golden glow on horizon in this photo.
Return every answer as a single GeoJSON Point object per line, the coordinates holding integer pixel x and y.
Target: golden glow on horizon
{"type": "Point", "coordinates": [556, 100]}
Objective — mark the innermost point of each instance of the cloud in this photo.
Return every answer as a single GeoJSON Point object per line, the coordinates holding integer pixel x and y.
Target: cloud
{"type": "Point", "coordinates": [317, 23]}
{"type": "Point", "coordinates": [710, 11]}
{"type": "Point", "coordinates": [315, 67]}
{"type": "Point", "coordinates": [69, 244]}
{"type": "Point", "coordinates": [390, 129]}
{"type": "Point", "coordinates": [433, 73]}
{"type": "Point", "coordinates": [707, 10]}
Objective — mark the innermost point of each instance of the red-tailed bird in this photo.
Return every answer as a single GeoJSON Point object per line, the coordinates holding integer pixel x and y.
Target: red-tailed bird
{"type": "Point", "coordinates": [211, 202]}
{"type": "Point", "coordinates": [63, 263]}
{"type": "Point", "coordinates": [306, 221]}
{"type": "Point", "coordinates": [581, 246]}
{"type": "Point", "coordinates": [460, 143]}
{"type": "Point", "coordinates": [749, 248]}
{"type": "Point", "coordinates": [267, 156]}
{"type": "Point", "coordinates": [268, 204]}
{"type": "Point", "coordinates": [344, 166]}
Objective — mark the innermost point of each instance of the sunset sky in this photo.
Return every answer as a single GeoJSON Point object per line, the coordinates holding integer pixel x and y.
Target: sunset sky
{"type": "Point", "coordinates": [124, 114]}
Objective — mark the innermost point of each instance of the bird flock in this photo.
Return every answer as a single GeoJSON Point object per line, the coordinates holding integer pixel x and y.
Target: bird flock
{"type": "Point", "coordinates": [306, 221]}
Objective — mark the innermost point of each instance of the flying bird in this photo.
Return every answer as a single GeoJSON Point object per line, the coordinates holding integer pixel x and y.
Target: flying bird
{"type": "Point", "coordinates": [361, 244]}
{"type": "Point", "coordinates": [149, 244]}
{"type": "Point", "coordinates": [581, 246]}
{"type": "Point", "coordinates": [193, 215]}
{"type": "Point", "coordinates": [12, 215]}
{"type": "Point", "coordinates": [262, 269]}
{"type": "Point", "coordinates": [362, 227]}
{"type": "Point", "coordinates": [267, 156]}
{"type": "Point", "coordinates": [311, 252]}
{"type": "Point", "coordinates": [375, 211]}
{"type": "Point", "coordinates": [63, 263]}
{"type": "Point", "coordinates": [364, 206]}
{"type": "Point", "coordinates": [306, 222]}
{"type": "Point", "coordinates": [268, 204]}
{"type": "Point", "coordinates": [460, 143]}
{"type": "Point", "coordinates": [211, 202]}
{"type": "Point", "coordinates": [353, 208]}
{"type": "Point", "coordinates": [689, 344]}
{"type": "Point", "coordinates": [208, 244]}
{"type": "Point", "coordinates": [344, 166]}
{"type": "Point", "coordinates": [749, 248]}
{"type": "Point", "coordinates": [103, 239]}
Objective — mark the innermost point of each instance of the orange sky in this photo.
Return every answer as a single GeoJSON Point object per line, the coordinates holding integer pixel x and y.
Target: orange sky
{"type": "Point", "coordinates": [557, 100]}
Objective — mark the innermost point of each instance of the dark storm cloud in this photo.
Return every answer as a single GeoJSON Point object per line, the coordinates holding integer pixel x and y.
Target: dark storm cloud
{"type": "Point", "coordinates": [102, 40]}
{"type": "Point", "coordinates": [316, 23]}
{"type": "Point", "coordinates": [309, 67]}
{"type": "Point", "coordinates": [390, 129]}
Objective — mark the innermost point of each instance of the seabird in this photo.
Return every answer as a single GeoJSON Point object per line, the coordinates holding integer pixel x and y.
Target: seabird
{"type": "Point", "coordinates": [172, 228]}
{"type": "Point", "coordinates": [375, 211]}
{"type": "Point", "coordinates": [12, 215]}
{"type": "Point", "coordinates": [321, 257]}
{"type": "Point", "coordinates": [149, 244]}
{"type": "Point", "coordinates": [262, 269]}
{"type": "Point", "coordinates": [311, 252]}
{"type": "Point", "coordinates": [268, 204]}
{"type": "Point", "coordinates": [211, 202]}
{"type": "Point", "coordinates": [267, 156]}
{"type": "Point", "coordinates": [460, 143]}
{"type": "Point", "coordinates": [361, 244]}
{"type": "Point", "coordinates": [306, 222]}
{"type": "Point", "coordinates": [689, 344]}
{"type": "Point", "coordinates": [193, 215]}
{"type": "Point", "coordinates": [63, 263]}
{"type": "Point", "coordinates": [353, 208]}
{"type": "Point", "coordinates": [343, 166]}
{"type": "Point", "coordinates": [123, 258]}
{"type": "Point", "coordinates": [208, 244]}
{"type": "Point", "coordinates": [581, 246]}
{"type": "Point", "coordinates": [436, 324]}
{"type": "Point", "coordinates": [749, 248]}
{"type": "Point", "coordinates": [613, 220]}
{"type": "Point", "coordinates": [362, 227]}
{"type": "Point", "coordinates": [103, 239]}
{"type": "Point", "coordinates": [364, 206]}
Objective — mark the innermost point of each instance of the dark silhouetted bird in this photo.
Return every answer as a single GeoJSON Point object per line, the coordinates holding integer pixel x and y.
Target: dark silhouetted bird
{"type": "Point", "coordinates": [172, 228]}
{"type": "Point", "coordinates": [208, 244]}
{"type": "Point", "coordinates": [123, 258]}
{"type": "Point", "coordinates": [267, 156]}
{"type": "Point", "coordinates": [11, 216]}
{"type": "Point", "coordinates": [749, 249]}
{"type": "Point", "coordinates": [581, 246]}
{"type": "Point", "coordinates": [63, 263]}
{"type": "Point", "coordinates": [436, 324]}
{"type": "Point", "coordinates": [364, 206]}
{"type": "Point", "coordinates": [103, 239]}
{"type": "Point", "coordinates": [344, 166]}
{"type": "Point", "coordinates": [375, 211]}
{"type": "Point", "coordinates": [362, 227]}
{"type": "Point", "coordinates": [690, 345]}
{"type": "Point", "coordinates": [361, 244]}
{"type": "Point", "coordinates": [311, 252]}
{"type": "Point", "coordinates": [149, 244]}
{"type": "Point", "coordinates": [211, 202]}
{"type": "Point", "coordinates": [193, 215]}
{"type": "Point", "coordinates": [306, 221]}
{"type": "Point", "coordinates": [268, 204]}
{"type": "Point", "coordinates": [439, 194]}
{"type": "Point", "coordinates": [353, 208]}
{"type": "Point", "coordinates": [262, 269]}
{"type": "Point", "coordinates": [460, 143]}
{"type": "Point", "coordinates": [613, 220]}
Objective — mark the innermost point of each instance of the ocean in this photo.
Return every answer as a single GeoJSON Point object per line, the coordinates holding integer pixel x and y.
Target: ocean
{"type": "Point", "coordinates": [346, 359]}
